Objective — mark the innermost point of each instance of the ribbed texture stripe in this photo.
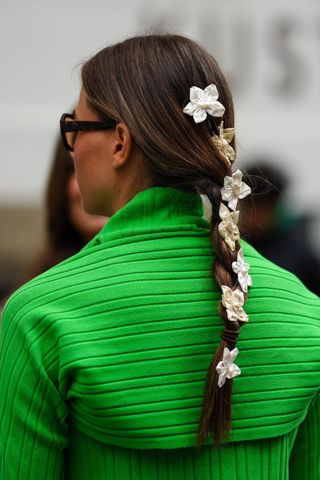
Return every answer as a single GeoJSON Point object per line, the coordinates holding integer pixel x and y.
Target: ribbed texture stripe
{"type": "Point", "coordinates": [305, 458]}
{"type": "Point", "coordinates": [104, 357]}
{"type": "Point", "coordinates": [261, 460]}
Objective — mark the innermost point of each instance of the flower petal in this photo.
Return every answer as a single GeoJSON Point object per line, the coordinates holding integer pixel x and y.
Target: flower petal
{"type": "Point", "coordinates": [233, 371]}
{"type": "Point", "coordinates": [238, 297]}
{"type": "Point", "coordinates": [236, 267]}
{"type": "Point", "coordinates": [240, 258]}
{"type": "Point", "coordinates": [228, 134]}
{"type": "Point", "coordinates": [222, 378]}
{"type": "Point", "coordinates": [226, 296]}
{"type": "Point", "coordinates": [245, 281]}
{"type": "Point", "coordinates": [212, 91]}
{"type": "Point", "coordinates": [223, 211]}
{"type": "Point", "coordinates": [231, 154]}
{"type": "Point", "coordinates": [227, 193]}
{"type": "Point", "coordinates": [196, 94]}
{"type": "Point", "coordinates": [226, 355]}
{"type": "Point", "coordinates": [245, 190]}
{"type": "Point", "coordinates": [237, 177]}
{"type": "Point", "coordinates": [221, 367]}
{"type": "Point", "coordinates": [235, 217]}
{"type": "Point", "coordinates": [241, 314]}
{"type": "Point", "coordinates": [227, 182]}
{"type": "Point", "coordinates": [216, 109]}
{"type": "Point", "coordinates": [233, 203]}
{"type": "Point", "coordinates": [231, 243]}
{"type": "Point", "coordinates": [199, 115]}
{"type": "Point", "coordinates": [233, 354]}
{"type": "Point", "coordinates": [226, 290]}
{"type": "Point", "coordinates": [190, 108]}
{"type": "Point", "coordinates": [232, 316]}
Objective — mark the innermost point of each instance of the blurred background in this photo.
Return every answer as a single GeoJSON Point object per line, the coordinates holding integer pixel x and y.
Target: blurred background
{"type": "Point", "coordinates": [269, 51]}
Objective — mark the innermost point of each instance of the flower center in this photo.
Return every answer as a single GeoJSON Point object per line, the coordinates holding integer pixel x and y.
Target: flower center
{"type": "Point", "coordinates": [230, 227]}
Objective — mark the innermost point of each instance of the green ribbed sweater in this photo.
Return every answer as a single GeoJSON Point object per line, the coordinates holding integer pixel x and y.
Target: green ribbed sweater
{"type": "Point", "coordinates": [104, 359]}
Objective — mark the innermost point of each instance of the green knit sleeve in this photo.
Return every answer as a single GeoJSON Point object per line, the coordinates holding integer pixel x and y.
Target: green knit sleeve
{"type": "Point", "coordinates": [33, 427]}
{"type": "Point", "coordinates": [305, 455]}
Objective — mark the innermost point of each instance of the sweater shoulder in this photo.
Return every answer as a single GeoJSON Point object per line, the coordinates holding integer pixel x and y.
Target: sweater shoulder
{"type": "Point", "coordinates": [41, 293]}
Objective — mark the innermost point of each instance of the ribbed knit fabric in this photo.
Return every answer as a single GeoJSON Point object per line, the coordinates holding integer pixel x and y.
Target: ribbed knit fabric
{"type": "Point", "coordinates": [104, 359]}
{"type": "Point", "coordinates": [256, 460]}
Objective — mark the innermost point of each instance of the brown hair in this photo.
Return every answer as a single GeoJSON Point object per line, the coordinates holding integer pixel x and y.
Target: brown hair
{"type": "Point", "coordinates": [144, 81]}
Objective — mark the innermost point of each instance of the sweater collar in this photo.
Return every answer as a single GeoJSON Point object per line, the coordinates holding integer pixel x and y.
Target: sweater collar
{"type": "Point", "coordinates": [154, 209]}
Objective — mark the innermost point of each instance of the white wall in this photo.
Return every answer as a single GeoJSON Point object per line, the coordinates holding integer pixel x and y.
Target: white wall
{"type": "Point", "coordinates": [269, 50]}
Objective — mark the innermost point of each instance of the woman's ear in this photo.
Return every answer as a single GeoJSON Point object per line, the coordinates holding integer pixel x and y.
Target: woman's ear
{"type": "Point", "coordinates": [122, 145]}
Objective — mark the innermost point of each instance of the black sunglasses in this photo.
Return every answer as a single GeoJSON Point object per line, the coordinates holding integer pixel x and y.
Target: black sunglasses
{"type": "Point", "coordinates": [69, 128]}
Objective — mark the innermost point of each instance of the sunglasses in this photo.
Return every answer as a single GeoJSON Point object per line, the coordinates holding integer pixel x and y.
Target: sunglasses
{"type": "Point", "coordinates": [69, 128]}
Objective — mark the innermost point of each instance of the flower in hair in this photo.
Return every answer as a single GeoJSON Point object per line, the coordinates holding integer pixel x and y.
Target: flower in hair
{"type": "Point", "coordinates": [222, 143]}
{"type": "Point", "coordinates": [203, 102]}
{"type": "Point", "coordinates": [228, 228]}
{"type": "Point", "coordinates": [226, 368]}
{"type": "Point", "coordinates": [234, 189]}
{"type": "Point", "coordinates": [231, 297]}
{"type": "Point", "coordinates": [241, 268]}
{"type": "Point", "coordinates": [233, 301]}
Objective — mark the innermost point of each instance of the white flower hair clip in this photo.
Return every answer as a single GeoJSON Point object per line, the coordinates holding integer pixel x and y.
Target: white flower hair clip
{"type": "Point", "coordinates": [222, 141]}
{"type": "Point", "coordinates": [226, 368]}
{"type": "Point", "coordinates": [233, 301]}
{"type": "Point", "coordinates": [241, 268]}
{"type": "Point", "coordinates": [228, 228]}
{"type": "Point", "coordinates": [234, 189]}
{"type": "Point", "coordinates": [203, 102]}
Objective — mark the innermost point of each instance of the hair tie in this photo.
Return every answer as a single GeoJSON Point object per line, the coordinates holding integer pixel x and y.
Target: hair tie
{"type": "Point", "coordinates": [230, 336]}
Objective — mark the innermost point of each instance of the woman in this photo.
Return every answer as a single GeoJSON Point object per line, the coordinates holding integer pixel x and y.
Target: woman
{"type": "Point", "coordinates": [107, 356]}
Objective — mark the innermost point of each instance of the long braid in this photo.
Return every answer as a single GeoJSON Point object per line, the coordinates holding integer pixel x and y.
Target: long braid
{"type": "Point", "coordinates": [216, 410]}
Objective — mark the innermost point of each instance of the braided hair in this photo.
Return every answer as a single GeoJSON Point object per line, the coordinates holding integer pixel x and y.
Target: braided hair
{"type": "Point", "coordinates": [216, 400]}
